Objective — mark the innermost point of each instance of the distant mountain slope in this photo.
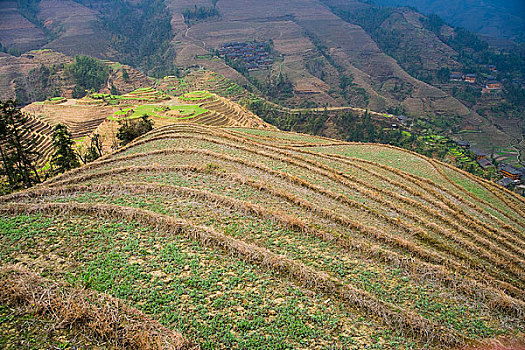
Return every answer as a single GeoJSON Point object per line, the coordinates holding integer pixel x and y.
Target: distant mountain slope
{"type": "Point", "coordinates": [326, 52]}
{"type": "Point", "coordinates": [16, 31]}
{"type": "Point", "coordinates": [40, 74]}
{"type": "Point", "coordinates": [249, 238]}
{"type": "Point", "coordinates": [300, 30]}
{"type": "Point", "coordinates": [494, 18]}
{"type": "Point", "coordinates": [346, 52]}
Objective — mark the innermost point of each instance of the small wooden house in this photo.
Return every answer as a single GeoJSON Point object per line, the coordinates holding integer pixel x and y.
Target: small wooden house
{"type": "Point", "coordinates": [470, 78]}
{"type": "Point", "coordinates": [493, 85]}
{"type": "Point", "coordinates": [485, 163]}
{"type": "Point", "coordinates": [510, 172]}
{"type": "Point", "coordinates": [479, 154]}
{"type": "Point", "coordinates": [505, 182]}
{"type": "Point", "coordinates": [455, 76]}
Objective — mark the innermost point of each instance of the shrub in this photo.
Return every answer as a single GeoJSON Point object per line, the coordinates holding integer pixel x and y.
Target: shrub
{"type": "Point", "coordinates": [131, 129]}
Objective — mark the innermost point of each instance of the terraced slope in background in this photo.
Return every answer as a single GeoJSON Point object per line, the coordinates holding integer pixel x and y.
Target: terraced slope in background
{"type": "Point", "coordinates": [100, 113]}
{"type": "Point", "coordinates": [250, 238]}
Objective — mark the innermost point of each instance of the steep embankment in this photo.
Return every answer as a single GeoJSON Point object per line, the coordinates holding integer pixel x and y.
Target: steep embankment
{"type": "Point", "coordinates": [242, 238]}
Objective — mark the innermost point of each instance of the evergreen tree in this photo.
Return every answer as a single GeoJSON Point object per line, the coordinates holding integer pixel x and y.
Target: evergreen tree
{"type": "Point", "coordinates": [64, 158]}
{"type": "Point", "coordinates": [18, 157]}
{"type": "Point", "coordinates": [114, 90]}
{"type": "Point", "coordinates": [89, 74]}
{"type": "Point", "coordinates": [125, 75]}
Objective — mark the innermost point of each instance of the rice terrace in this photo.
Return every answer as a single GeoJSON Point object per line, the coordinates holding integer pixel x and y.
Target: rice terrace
{"type": "Point", "coordinates": [262, 175]}
{"type": "Point", "coordinates": [235, 237]}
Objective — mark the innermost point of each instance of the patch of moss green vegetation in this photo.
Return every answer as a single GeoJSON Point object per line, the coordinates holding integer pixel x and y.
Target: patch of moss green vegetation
{"type": "Point", "coordinates": [391, 285]}
{"type": "Point", "coordinates": [196, 96]}
{"type": "Point", "coordinates": [216, 300]}
{"type": "Point", "coordinates": [387, 156]}
{"type": "Point", "coordinates": [184, 112]}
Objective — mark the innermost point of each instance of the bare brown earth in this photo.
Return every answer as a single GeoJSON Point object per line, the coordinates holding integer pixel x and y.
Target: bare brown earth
{"type": "Point", "coordinates": [78, 28]}
{"type": "Point", "coordinates": [16, 31]}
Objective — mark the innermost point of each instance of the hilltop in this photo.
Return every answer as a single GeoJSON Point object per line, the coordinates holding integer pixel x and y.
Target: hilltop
{"type": "Point", "coordinates": [249, 238]}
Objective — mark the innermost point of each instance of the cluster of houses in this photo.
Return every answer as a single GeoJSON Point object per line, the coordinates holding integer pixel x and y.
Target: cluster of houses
{"type": "Point", "coordinates": [253, 55]}
{"type": "Point", "coordinates": [511, 176]}
{"type": "Point", "coordinates": [488, 84]}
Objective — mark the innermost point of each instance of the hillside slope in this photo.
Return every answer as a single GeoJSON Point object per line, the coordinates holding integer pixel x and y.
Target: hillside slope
{"type": "Point", "coordinates": [494, 18]}
{"type": "Point", "coordinates": [40, 74]}
{"type": "Point", "coordinates": [250, 238]}
{"type": "Point", "coordinates": [101, 114]}
{"type": "Point", "coordinates": [298, 30]}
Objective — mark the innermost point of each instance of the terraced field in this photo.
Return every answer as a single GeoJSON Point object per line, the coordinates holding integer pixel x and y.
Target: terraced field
{"type": "Point", "coordinates": [259, 239]}
{"type": "Point", "coordinates": [206, 80]}
{"type": "Point", "coordinates": [222, 112]}
{"type": "Point", "coordinates": [41, 133]}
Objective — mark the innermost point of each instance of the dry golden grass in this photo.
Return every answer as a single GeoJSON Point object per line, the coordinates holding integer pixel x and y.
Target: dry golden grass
{"type": "Point", "coordinates": [89, 312]}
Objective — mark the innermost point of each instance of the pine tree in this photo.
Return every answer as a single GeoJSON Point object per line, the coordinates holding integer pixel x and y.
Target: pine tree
{"type": "Point", "coordinates": [64, 157]}
{"type": "Point", "coordinates": [17, 154]}
{"type": "Point", "coordinates": [114, 90]}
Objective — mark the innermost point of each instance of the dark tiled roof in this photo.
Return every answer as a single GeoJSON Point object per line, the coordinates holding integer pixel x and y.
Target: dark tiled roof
{"type": "Point", "coordinates": [479, 153]}
{"type": "Point", "coordinates": [485, 163]}
{"type": "Point", "coordinates": [505, 182]}
{"type": "Point", "coordinates": [510, 169]}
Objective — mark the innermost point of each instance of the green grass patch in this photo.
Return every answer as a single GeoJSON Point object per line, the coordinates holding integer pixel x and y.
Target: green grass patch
{"type": "Point", "coordinates": [214, 299]}
{"type": "Point", "coordinates": [185, 112]}
{"type": "Point", "coordinates": [196, 96]}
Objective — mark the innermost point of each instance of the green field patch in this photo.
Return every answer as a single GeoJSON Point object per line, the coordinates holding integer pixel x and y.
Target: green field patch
{"type": "Point", "coordinates": [196, 96]}
{"type": "Point", "coordinates": [55, 100]}
{"type": "Point", "coordinates": [181, 112]}
{"type": "Point", "coordinates": [97, 96]}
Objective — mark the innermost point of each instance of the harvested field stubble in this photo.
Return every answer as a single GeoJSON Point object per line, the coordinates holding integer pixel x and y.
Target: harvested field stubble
{"type": "Point", "coordinates": [438, 265]}
{"type": "Point", "coordinates": [359, 186]}
{"type": "Point", "coordinates": [96, 314]}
